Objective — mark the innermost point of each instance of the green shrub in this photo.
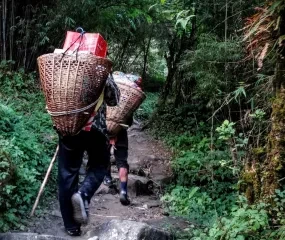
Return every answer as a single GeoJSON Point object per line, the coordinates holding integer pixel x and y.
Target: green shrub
{"type": "Point", "coordinates": [200, 168]}
{"type": "Point", "coordinates": [205, 190]}
{"type": "Point", "coordinates": [148, 106]}
{"type": "Point", "coordinates": [27, 142]}
{"type": "Point", "coordinates": [154, 83]}
{"type": "Point", "coordinates": [197, 205]}
{"type": "Point", "coordinates": [243, 222]}
{"type": "Point", "coordinates": [171, 122]}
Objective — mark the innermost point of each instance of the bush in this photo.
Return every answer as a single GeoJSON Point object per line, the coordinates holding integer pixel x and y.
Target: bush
{"type": "Point", "coordinates": [27, 142]}
{"type": "Point", "coordinates": [148, 106]}
{"type": "Point", "coordinates": [205, 187]}
{"type": "Point", "coordinates": [206, 183]}
{"type": "Point", "coordinates": [243, 222]}
{"type": "Point", "coordinates": [197, 205]}
{"type": "Point", "coordinates": [198, 168]}
{"type": "Point", "coordinates": [154, 83]}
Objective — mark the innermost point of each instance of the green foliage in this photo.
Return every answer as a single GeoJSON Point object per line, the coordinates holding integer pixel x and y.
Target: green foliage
{"type": "Point", "coordinates": [148, 106]}
{"type": "Point", "coordinates": [154, 83]}
{"type": "Point", "coordinates": [244, 222]}
{"type": "Point", "coordinates": [226, 130]}
{"type": "Point", "coordinates": [278, 207]}
{"type": "Point", "coordinates": [197, 205]}
{"type": "Point", "coordinates": [224, 218]}
{"type": "Point", "coordinates": [26, 144]}
{"type": "Point", "coordinates": [198, 168]}
{"type": "Point", "coordinates": [183, 18]}
{"type": "Point", "coordinates": [205, 190]}
{"type": "Point", "coordinates": [155, 78]}
{"type": "Point", "coordinates": [178, 199]}
{"type": "Point", "coordinates": [258, 115]}
{"type": "Point", "coordinates": [207, 77]}
{"type": "Point", "coordinates": [176, 124]}
{"type": "Point", "coordinates": [203, 171]}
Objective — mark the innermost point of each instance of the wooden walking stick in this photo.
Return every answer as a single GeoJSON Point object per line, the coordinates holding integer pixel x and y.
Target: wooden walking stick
{"type": "Point", "coordinates": [44, 182]}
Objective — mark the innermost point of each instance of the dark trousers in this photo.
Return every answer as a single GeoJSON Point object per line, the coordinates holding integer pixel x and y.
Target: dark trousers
{"type": "Point", "coordinates": [71, 149]}
{"type": "Point", "coordinates": [120, 151]}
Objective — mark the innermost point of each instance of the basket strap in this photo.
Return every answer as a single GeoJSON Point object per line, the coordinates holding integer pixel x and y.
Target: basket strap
{"type": "Point", "coordinates": [57, 114]}
{"type": "Point", "coordinates": [99, 102]}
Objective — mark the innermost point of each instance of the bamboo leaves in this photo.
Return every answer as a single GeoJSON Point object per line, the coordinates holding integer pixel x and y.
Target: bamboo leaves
{"type": "Point", "coordinates": [183, 21]}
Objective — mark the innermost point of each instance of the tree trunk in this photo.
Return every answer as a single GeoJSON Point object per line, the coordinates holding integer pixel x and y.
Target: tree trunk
{"type": "Point", "coordinates": [120, 58]}
{"type": "Point", "coordinates": [172, 66]}
{"type": "Point", "coordinates": [274, 166]}
{"type": "Point", "coordinates": [4, 22]}
{"type": "Point", "coordinates": [11, 31]}
{"type": "Point", "coordinates": [146, 57]}
{"type": "Point", "coordinates": [176, 48]}
{"type": "Point", "coordinates": [265, 170]}
{"type": "Point", "coordinates": [168, 84]}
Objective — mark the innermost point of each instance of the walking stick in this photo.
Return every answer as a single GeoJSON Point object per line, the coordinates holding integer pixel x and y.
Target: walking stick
{"type": "Point", "coordinates": [44, 182]}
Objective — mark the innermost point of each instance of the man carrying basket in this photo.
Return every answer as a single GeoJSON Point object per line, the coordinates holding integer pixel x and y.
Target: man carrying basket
{"type": "Point", "coordinates": [120, 145]}
{"type": "Point", "coordinates": [77, 85]}
{"type": "Point", "coordinates": [93, 139]}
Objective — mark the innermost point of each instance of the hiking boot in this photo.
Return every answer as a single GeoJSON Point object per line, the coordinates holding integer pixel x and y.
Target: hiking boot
{"type": "Point", "coordinates": [124, 198]}
{"type": "Point", "coordinates": [73, 232]}
{"type": "Point", "coordinates": [80, 208]}
{"type": "Point", "coordinates": [108, 181]}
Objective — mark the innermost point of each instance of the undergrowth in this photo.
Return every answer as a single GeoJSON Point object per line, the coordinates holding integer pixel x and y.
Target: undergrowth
{"type": "Point", "coordinates": [206, 188]}
{"type": "Point", "coordinates": [27, 142]}
{"type": "Point", "coordinates": [147, 107]}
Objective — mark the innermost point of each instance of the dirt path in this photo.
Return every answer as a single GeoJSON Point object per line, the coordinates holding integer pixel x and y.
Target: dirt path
{"type": "Point", "coordinates": [149, 167]}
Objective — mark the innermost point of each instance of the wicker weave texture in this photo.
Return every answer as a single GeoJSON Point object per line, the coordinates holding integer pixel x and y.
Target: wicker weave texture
{"type": "Point", "coordinates": [130, 100]}
{"type": "Point", "coordinates": [70, 84]}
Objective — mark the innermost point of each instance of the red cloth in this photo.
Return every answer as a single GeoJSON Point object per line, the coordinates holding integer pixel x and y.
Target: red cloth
{"type": "Point", "coordinates": [113, 141]}
{"type": "Point", "coordinates": [88, 125]}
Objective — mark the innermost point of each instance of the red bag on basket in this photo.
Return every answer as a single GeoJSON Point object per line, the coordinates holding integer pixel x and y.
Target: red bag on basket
{"type": "Point", "coordinates": [91, 42]}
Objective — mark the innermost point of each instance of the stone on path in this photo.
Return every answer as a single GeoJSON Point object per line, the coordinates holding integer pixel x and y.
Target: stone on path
{"type": "Point", "coordinates": [137, 186]}
{"type": "Point", "coordinates": [127, 230]}
{"type": "Point", "coordinates": [28, 236]}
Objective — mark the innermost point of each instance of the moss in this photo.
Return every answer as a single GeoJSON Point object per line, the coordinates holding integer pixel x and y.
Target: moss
{"type": "Point", "coordinates": [258, 152]}
{"type": "Point", "coordinates": [274, 166]}
{"type": "Point", "coordinates": [251, 176]}
{"type": "Point", "coordinates": [251, 183]}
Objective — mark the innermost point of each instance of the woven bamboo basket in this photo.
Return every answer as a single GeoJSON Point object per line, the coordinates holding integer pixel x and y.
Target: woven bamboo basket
{"type": "Point", "coordinates": [72, 86]}
{"type": "Point", "coordinates": [130, 100]}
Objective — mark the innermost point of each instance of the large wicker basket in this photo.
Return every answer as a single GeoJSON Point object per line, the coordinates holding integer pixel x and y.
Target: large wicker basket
{"type": "Point", "coordinates": [72, 85]}
{"type": "Point", "coordinates": [130, 100]}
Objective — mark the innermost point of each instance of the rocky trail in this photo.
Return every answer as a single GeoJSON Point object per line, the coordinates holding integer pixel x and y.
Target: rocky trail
{"type": "Point", "coordinates": [143, 219]}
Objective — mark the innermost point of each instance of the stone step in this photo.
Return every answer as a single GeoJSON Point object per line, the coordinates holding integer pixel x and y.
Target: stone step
{"type": "Point", "coordinates": [127, 230]}
{"type": "Point", "coordinates": [137, 186]}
